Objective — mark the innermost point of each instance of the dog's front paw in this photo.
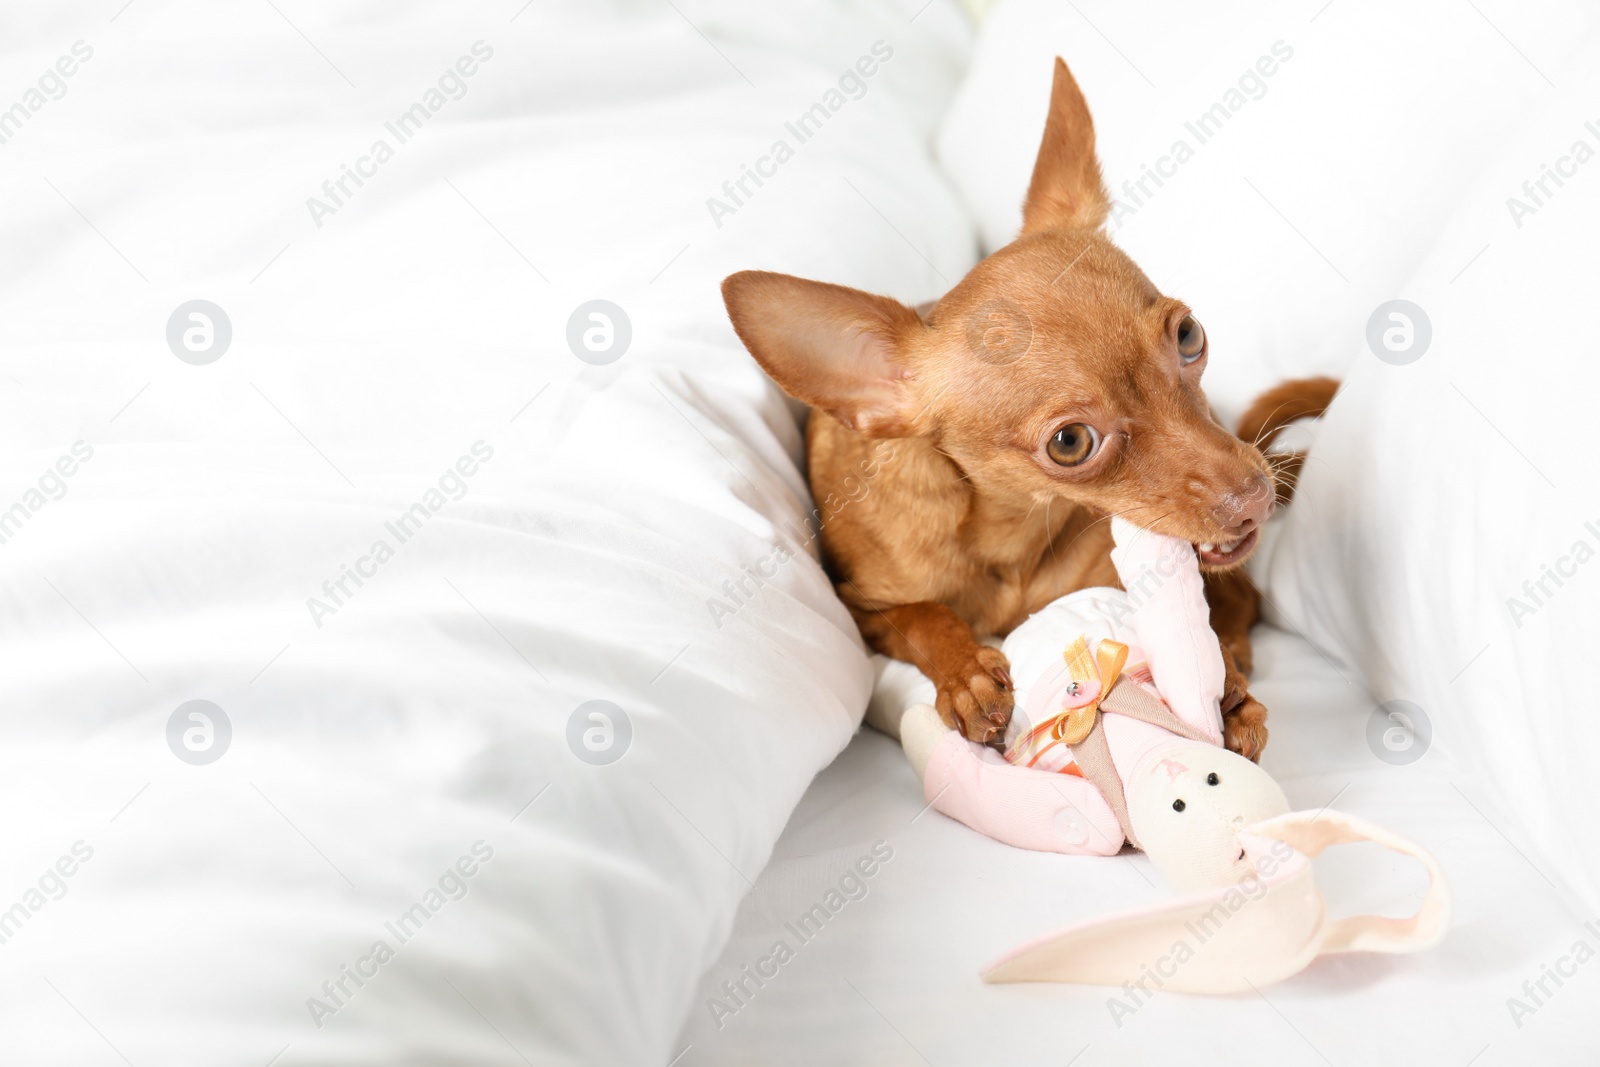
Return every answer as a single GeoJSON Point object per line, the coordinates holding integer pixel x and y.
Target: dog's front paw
{"type": "Point", "coordinates": [1244, 727]}
{"type": "Point", "coordinates": [975, 695]}
{"type": "Point", "coordinates": [1244, 718]}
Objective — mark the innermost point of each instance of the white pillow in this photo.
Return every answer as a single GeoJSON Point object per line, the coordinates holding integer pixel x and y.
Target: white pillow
{"type": "Point", "coordinates": [1341, 139]}
{"type": "Point", "coordinates": [226, 913]}
{"type": "Point", "coordinates": [1445, 539]}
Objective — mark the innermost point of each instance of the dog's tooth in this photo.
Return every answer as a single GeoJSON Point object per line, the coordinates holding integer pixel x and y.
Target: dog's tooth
{"type": "Point", "coordinates": [1208, 547]}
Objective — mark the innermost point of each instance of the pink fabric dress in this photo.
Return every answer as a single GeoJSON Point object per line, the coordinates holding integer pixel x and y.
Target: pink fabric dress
{"type": "Point", "coordinates": [1173, 652]}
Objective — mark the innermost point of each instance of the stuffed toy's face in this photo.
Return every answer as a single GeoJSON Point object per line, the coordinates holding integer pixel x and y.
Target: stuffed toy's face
{"type": "Point", "coordinates": [1188, 806]}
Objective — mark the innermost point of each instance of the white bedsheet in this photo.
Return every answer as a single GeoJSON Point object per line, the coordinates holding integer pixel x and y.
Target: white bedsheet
{"type": "Point", "coordinates": [892, 977]}
{"type": "Point", "coordinates": [410, 323]}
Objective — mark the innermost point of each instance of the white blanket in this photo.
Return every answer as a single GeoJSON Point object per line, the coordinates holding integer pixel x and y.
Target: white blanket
{"type": "Point", "coordinates": [408, 850]}
{"type": "Point", "coordinates": [887, 972]}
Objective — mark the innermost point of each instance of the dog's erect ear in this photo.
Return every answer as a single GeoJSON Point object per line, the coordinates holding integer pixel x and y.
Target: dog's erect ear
{"type": "Point", "coordinates": [834, 348]}
{"type": "Point", "coordinates": [1066, 190]}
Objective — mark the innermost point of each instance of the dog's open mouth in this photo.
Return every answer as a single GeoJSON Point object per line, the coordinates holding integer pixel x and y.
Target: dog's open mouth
{"type": "Point", "coordinates": [1228, 552]}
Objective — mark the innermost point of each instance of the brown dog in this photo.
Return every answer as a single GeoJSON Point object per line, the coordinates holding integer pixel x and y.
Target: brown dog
{"type": "Point", "coordinates": [1052, 387]}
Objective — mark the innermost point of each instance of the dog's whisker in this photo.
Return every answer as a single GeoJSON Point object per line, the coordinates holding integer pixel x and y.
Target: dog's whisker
{"type": "Point", "coordinates": [962, 475]}
{"type": "Point", "coordinates": [1052, 542]}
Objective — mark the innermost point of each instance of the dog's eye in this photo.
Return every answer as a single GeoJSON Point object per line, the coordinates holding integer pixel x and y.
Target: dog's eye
{"type": "Point", "coordinates": [1191, 339]}
{"type": "Point", "coordinates": [1073, 444]}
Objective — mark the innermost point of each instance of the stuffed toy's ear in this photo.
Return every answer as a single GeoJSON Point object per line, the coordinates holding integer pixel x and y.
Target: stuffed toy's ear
{"type": "Point", "coordinates": [1311, 834]}
{"type": "Point", "coordinates": [1265, 929]}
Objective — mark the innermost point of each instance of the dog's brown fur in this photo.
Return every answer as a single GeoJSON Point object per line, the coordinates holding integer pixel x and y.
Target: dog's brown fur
{"type": "Point", "coordinates": [1265, 418]}
{"type": "Point", "coordinates": [968, 524]}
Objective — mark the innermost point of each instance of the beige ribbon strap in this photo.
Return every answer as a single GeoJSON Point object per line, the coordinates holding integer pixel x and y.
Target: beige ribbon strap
{"type": "Point", "coordinates": [1093, 754]}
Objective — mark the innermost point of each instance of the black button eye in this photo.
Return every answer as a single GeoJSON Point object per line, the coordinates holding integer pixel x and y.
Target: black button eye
{"type": "Point", "coordinates": [1178, 805]}
{"type": "Point", "coordinates": [1212, 779]}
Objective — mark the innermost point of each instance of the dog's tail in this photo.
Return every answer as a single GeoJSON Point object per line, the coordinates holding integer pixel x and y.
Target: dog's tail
{"type": "Point", "coordinates": [1264, 420]}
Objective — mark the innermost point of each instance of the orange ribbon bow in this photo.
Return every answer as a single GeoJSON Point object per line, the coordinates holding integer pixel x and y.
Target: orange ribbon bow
{"type": "Point", "coordinates": [1071, 725]}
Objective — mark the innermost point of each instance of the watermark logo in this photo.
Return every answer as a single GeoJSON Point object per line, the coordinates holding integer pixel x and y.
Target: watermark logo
{"type": "Point", "coordinates": [1253, 888]}
{"type": "Point", "coordinates": [199, 332]}
{"type": "Point", "coordinates": [1537, 592]}
{"type": "Point", "coordinates": [52, 85]}
{"type": "Point", "coordinates": [999, 332]}
{"type": "Point", "coordinates": [452, 885]}
{"type": "Point", "coordinates": [1399, 332]}
{"type": "Point", "coordinates": [450, 487]}
{"type": "Point", "coordinates": [1399, 732]}
{"type": "Point", "coordinates": [599, 732]}
{"type": "Point", "coordinates": [1250, 85]}
{"type": "Point", "coordinates": [450, 86]}
{"type": "Point", "coordinates": [850, 887]}
{"type": "Point", "coordinates": [852, 85]}
{"type": "Point", "coordinates": [753, 578]}
{"type": "Point", "coordinates": [198, 732]}
{"type": "Point", "coordinates": [1537, 192]}
{"type": "Point", "coordinates": [52, 485]}
{"type": "Point", "coordinates": [1071, 826]}
{"type": "Point", "coordinates": [51, 885]}
{"type": "Point", "coordinates": [598, 332]}
{"type": "Point", "coordinates": [1537, 992]}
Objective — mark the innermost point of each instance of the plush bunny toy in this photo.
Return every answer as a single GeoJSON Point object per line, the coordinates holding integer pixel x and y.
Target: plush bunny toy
{"type": "Point", "coordinates": [1117, 737]}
